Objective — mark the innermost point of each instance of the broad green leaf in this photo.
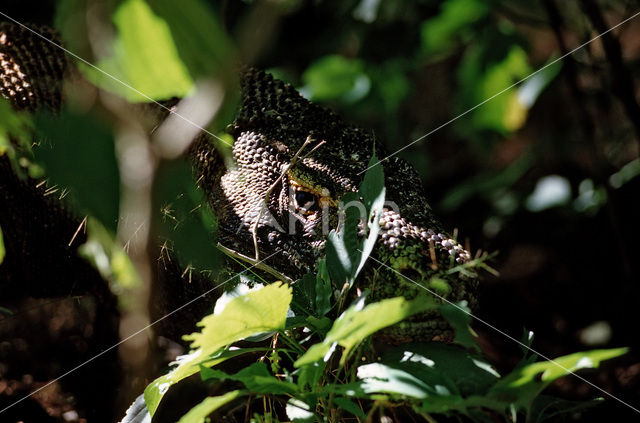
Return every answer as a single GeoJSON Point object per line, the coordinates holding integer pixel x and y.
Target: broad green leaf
{"type": "Point", "coordinates": [346, 255]}
{"type": "Point", "coordinates": [372, 191]}
{"type": "Point", "coordinates": [342, 247]}
{"type": "Point", "coordinates": [335, 78]}
{"type": "Point", "coordinates": [522, 385]}
{"type": "Point", "coordinates": [200, 412]}
{"type": "Point", "coordinates": [259, 311]}
{"type": "Point", "coordinates": [435, 363]}
{"type": "Point", "coordinates": [144, 56]}
{"type": "Point", "coordinates": [256, 378]}
{"type": "Point", "coordinates": [186, 219]}
{"type": "Point", "coordinates": [358, 322]}
{"type": "Point", "coordinates": [203, 45]}
{"type": "Point", "coordinates": [226, 354]}
{"type": "Point", "coordinates": [77, 152]}
{"type": "Point", "coordinates": [106, 254]}
{"type": "Point", "coordinates": [377, 377]}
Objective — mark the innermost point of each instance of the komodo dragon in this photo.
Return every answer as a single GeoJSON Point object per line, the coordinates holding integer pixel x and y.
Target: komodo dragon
{"type": "Point", "coordinates": [272, 124]}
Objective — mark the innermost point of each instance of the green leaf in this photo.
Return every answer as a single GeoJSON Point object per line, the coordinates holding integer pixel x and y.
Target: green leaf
{"type": "Point", "coordinates": [312, 293]}
{"type": "Point", "coordinates": [373, 192]}
{"type": "Point", "coordinates": [522, 385]}
{"type": "Point", "coordinates": [377, 377]}
{"type": "Point", "coordinates": [259, 311]}
{"type": "Point", "coordinates": [256, 378]}
{"type": "Point", "coordinates": [144, 56]}
{"type": "Point", "coordinates": [335, 78]}
{"type": "Point", "coordinates": [203, 45]}
{"type": "Point", "coordinates": [345, 254]}
{"type": "Point", "coordinates": [437, 364]}
{"type": "Point", "coordinates": [200, 412]}
{"type": "Point", "coordinates": [342, 251]}
{"type": "Point", "coordinates": [480, 81]}
{"type": "Point", "coordinates": [358, 322]}
{"type": "Point", "coordinates": [77, 152]}
{"type": "Point", "coordinates": [459, 317]}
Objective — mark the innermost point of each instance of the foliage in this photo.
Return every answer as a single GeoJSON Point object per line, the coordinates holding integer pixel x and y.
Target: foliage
{"type": "Point", "coordinates": [320, 375]}
{"type": "Point", "coordinates": [318, 360]}
{"type": "Point", "coordinates": [429, 378]}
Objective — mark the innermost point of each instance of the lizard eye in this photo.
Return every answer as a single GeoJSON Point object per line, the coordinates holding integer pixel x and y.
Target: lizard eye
{"type": "Point", "coordinates": [305, 201]}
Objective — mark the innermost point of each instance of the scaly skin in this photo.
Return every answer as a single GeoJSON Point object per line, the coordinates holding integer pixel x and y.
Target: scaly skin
{"type": "Point", "coordinates": [271, 127]}
{"type": "Point", "coordinates": [289, 151]}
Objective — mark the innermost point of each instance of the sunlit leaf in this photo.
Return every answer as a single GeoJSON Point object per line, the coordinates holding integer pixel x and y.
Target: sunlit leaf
{"type": "Point", "coordinates": [203, 45]}
{"type": "Point", "coordinates": [200, 412]}
{"type": "Point", "coordinates": [378, 377]}
{"type": "Point", "coordinates": [144, 56]}
{"type": "Point", "coordinates": [460, 371]}
{"type": "Point", "coordinates": [358, 322]}
{"type": "Point", "coordinates": [522, 385]}
{"type": "Point", "coordinates": [259, 311]}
